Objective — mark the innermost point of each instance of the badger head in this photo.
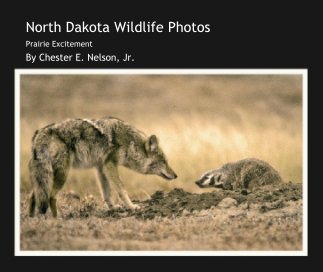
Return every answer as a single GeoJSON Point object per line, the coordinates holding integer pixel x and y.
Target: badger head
{"type": "Point", "coordinates": [216, 179]}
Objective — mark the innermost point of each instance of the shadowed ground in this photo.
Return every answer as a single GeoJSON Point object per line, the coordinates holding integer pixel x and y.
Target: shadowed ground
{"type": "Point", "coordinates": [267, 219]}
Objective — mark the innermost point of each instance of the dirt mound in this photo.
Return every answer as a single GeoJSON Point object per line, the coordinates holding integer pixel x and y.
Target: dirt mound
{"type": "Point", "coordinates": [269, 218]}
{"type": "Point", "coordinates": [177, 201]}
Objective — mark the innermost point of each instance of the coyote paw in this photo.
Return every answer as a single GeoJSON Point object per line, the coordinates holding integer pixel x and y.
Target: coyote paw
{"type": "Point", "coordinates": [134, 207]}
{"type": "Point", "coordinates": [117, 206]}
{"type": "Point", "coordinates": [108, 206]}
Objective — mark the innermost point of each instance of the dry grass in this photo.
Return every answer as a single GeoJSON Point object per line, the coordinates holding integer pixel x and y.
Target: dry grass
{"type": "Point", "coordinates": [201, 121]}
{"type": "Point", "coordinates": [235, 228]}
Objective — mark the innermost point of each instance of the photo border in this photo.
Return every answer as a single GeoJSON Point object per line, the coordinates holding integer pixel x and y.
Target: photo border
{"type": "Point", "coordinates": [303, 72]}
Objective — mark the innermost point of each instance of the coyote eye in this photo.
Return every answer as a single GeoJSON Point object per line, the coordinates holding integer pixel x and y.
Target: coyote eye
{"type": "Point", "coordinates": [153, 165]}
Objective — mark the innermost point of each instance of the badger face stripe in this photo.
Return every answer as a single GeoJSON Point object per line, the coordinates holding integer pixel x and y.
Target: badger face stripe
{"type": "Point", "coordinates": [212, 181]}
{"type": "Point", "coordinates": [206, 180]}
{"type": "Point", "coordinates": [218, 181]}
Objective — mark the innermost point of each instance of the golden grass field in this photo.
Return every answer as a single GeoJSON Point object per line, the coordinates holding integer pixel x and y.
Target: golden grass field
{"type": "Point", "coordinates": [202, 122]}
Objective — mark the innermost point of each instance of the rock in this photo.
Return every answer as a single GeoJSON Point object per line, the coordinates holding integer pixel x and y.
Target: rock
{"type": "Point", "coordinates": [186, 212]}
{"type": "Point", "coordinates": [228, 202]}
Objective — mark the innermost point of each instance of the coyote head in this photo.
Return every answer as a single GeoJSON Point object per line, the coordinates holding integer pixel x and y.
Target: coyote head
{"type": "Point", "coordinates": [149, 159]}
{"type": "Point", "coordinates": [214, 178]}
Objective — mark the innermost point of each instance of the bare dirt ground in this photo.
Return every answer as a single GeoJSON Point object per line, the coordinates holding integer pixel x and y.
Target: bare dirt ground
{"type": "Point", "coordinates": [269, 218]}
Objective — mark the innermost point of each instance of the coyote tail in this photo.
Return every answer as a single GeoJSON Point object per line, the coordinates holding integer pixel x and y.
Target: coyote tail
{"type": "Point", "coordinates": [41, 172]}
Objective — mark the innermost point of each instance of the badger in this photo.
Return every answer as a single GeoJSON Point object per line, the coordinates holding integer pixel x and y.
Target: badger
{"type": "Point", "coordinates": [245, 174]}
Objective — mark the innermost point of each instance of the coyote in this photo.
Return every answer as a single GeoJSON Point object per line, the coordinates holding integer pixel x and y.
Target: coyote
{"type": "Point", "coordinates": [244, 174]}
{"type": "Point", "coordinates": [82, 143]}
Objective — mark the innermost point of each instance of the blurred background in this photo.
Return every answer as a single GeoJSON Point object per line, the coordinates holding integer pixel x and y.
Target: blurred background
{"type": "Point", "coordinates": [201, 121]}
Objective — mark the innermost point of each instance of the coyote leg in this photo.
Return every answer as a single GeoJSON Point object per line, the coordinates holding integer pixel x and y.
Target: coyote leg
{"type": "Point", "coordinates": [32, 205]}
{"type": "Point", "coordinates": [60, 175]}
{"type": "Point", "coordinates": [114, 177]}
{"type": "Point", "coordinates": [105, 186]}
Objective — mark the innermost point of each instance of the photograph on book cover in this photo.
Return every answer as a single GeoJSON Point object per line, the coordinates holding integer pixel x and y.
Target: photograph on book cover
{"type": "Point", "coordinates": [160, 162]}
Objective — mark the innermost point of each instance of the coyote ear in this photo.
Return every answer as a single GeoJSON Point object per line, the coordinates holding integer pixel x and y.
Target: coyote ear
{"type": "Point", "coordinates": [152, 143]}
